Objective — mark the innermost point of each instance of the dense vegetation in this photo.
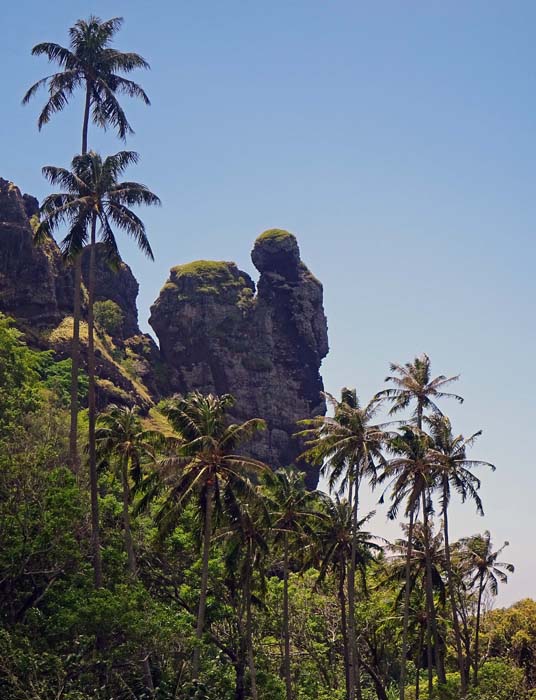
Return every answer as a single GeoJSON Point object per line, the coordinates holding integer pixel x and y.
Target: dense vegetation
{"type": "Point", "coordinates": [150, 557]}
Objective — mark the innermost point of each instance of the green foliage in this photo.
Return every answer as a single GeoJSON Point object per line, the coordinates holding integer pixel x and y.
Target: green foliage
{"type": "Point", "coordinates": [109, 317]}
{"type": "Point", "coordinates": [56, 376]}
{"type": "Point", "coordinates": [275, 234]}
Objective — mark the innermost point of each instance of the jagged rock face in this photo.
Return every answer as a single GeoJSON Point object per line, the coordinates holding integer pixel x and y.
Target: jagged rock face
{"type": "Point", "coordinates": [218, 336]}
{"type": "Point", "coordinates": [34, 286]}
{"type": "Point", "coordinates": [115, 284]}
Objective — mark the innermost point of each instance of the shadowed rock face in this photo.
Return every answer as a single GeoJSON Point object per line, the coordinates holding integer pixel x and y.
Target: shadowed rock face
{"type": "Point", "coordinates": [218, 336]}
{"type": "Point", "coordinates": [34, 286]}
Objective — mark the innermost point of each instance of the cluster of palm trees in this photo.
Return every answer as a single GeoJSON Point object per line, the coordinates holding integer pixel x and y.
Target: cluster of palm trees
{"type": "Point", "coordinates": [262, 516]}
{"type": "Point", "coordinates": [418, 463]}
{"type": "Point", "coordinates": [93, 201]}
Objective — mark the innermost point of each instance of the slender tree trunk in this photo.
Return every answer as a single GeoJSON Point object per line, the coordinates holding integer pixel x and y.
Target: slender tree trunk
{"type": "Point", "coordinates": [407, 594]}
{"type": "Point", "coordinates": [85, 123]}
{"type": "Point", "coordinates": [75, 346]}
{"type": "Point", "coordinates": [418, 664]}
{"type": "Point", "coordinates": [75, 364]}
{"type": "Point", "coordinates": [207, 536]}
{"type": "Point", "coordinates": [430, 596]}
{"type": "Point", "coordinates": [344, 628]}
{"type": "Point", "coordinates": [129, 546]}
{"type": "Point", "coordinates": [286, 622]}
{"type": "Point", "coordinates": [452, 595]}
{"type": "Point", "coordinates": [249, 633]}
{"type": "Point", "coordinates": [240, 674]}
{"type": "Point", "coordinates": [95, 529]}
{"type": "Point", "coordinates": [477, 631]}
{"type": "Point", "coordinates": [355, 684]}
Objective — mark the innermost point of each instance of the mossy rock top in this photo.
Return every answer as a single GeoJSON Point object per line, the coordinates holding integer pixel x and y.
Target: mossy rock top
{"type": "Point", "coordinates": [208, 276]}
{"type": "Point", "coordinates": [276, 250]}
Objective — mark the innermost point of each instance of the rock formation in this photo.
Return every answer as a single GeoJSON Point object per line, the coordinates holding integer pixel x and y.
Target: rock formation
{"type": "Point", "coordinates": [218, 334]}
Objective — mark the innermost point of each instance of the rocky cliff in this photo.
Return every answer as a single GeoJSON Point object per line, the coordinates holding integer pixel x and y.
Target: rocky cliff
{"type": "Point", "coordinates": [220, 333]}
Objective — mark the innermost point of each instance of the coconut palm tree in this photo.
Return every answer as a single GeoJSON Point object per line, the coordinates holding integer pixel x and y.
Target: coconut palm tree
{"type": "Point", "coordinates": [124, 445]}
{"type": "Point", "coordinates": [454, 469]}
{"type": "Point", "coordinates": [247, 549]}
{"type": "Point", "coordinates": [484, 572]}
{"type": "Point", "coordinates": [410, 474]}
{"type": "Point", "coordinates": [206, 466]}
{"type": "Point", "coordinates": [413, 384]}
{"type": "Point", "coordinates": [92, 64]}
{"type": "Point", "coordinates": [293, 509]}
{"type": "Point", "coordinates": [333, 552]}
{"type": "Point", "coordinates": [94, 202]}
{"type": "Point", "coordinates": [348, 446]}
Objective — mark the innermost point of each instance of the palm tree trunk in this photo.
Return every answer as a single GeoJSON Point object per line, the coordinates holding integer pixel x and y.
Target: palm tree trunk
{"type": "Point", "coordinates": [452, 595]}
{"type": "Point", "coordinates": [344, 629]}
{"type": "Point", "coordinates": [249, 634]}
{"type": "Point", "coordinates": [355, 681]}
{"type": "Point", "coordinates": [418, 664]}
{"type": "Point", "coordinates": [75, 347]}
{"type": "Point", "coordinates": [129, 545]}
{"type": "Point", "coordinates": [430, 600]}
{"type": "Point", "coordinates": [207, 536]}
{"type": "Point", "coordinates": [477, 631]}
{"type": "Point", "coordinates": [95, 530]}
{"type": "Point", "coordinates": [85, 123]}
{"type": "Point", "coordinates": [407, 594]}
{"type": "Point", "coordinates": [75, 364]}
{"type": "Point", "coordinates": [286, 622]}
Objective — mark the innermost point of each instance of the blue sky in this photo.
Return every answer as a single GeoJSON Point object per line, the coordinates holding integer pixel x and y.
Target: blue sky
{"type": "Point", "coordinates": [397, 140]}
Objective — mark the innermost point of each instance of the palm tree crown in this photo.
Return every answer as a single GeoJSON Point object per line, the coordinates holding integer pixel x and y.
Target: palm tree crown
{"type": "Point", "coordinates": [92, 191]}
{"type": "Point", "coordinates": [92, 63]}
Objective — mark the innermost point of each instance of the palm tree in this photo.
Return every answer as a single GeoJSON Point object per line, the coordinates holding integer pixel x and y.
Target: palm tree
{"type": "Point", "coordinates": [455, 473]}
{"type": "Point", "coordinates": [334, 552]}
{"type": "Point", "coordinates": [123, 443]}
{"type": "Point", "coordinates": [485, 573]}
{"type": "Point", "coordinates": [348, 446]}
{"type": "Point", "coordinates": [247, 549]}
{"type": "Point", "coordinates": [94, 196]}
{"type": "Point", "coordinates": [206, 465]}
{"type": "Point", "coordinates": [292, 508]}
{"type": "Point", "coordinates": [413, 384]}
{"type": "Point", "coordinates": [92, 64]}
{"type": "Point", "coordinates": [411, 475]}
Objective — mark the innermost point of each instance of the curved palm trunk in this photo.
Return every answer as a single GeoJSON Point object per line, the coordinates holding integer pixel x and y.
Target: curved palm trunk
{"type": "Point", "coordinates": [207, 536]}
{"type": "Point", "coordinates": [405, 624]}
{"type": "Point", "coordinates": [95, 529]}
{"type": "Point", "coordinates": [249, 633]}
{"type": "Point", "coordinates": [75, 364]}
{"type": "Point", "coordinates": [477, 631]}
{"type": "Point", "coordinates": [452, 595]}
{"type": "Point", "coordinates": [418, 664]}
{"type": "Point", "coordinates": [430, 601]}
{"type": "Point", "coordinates": [344, 629]}
{"type": "Point", "coordinates": [286, 623]}
{"type": "Point", "coordinates": [129, 545]}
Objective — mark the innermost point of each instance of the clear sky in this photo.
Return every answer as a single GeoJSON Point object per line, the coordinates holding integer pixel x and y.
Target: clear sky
{"type": "Point", "coordinates": [397, 140]}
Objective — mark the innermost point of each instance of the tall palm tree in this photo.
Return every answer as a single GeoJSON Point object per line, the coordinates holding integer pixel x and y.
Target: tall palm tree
{"type": "Point", "coordinates": [206, 466]}
{"type": "Point", "coordinates": [94, 197]}
{"type": "Point", "coordinates": [410, 474]}
{"type": "Point", "coordinates": [348, 446]}
{"type": "Point", "coordinates": [455, 474]}
{"type": "Point", "coordinates": [247, 549]}
{"type": "Point", "coordinates": [292, 508]}
{"type": "Point", "coordinates": [333, 552]}
{"type": "Point", "coordinates": [485, 573]}
{"type": "Point", "coordinates": [412, 383]}
{"type": "Point", "coordinates": [123, 444]}
{"type": "Point", "coordinates": [92, 64]}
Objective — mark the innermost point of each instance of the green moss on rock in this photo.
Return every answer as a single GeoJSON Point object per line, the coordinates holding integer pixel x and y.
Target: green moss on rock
{"type": "Point", "coordinates": [207, 277]}
{"type": "Point", "coordinates": [276, 235]}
